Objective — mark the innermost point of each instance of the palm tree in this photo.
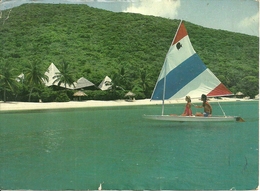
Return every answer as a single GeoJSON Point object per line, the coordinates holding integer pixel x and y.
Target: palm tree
{"type": "Point", "coordinates": [34, 76]}
{"type": "Point", "coordinates": [66, 75]}
{"type": "Point", "coordinates": [143, 83]}
{"type": "Point", "coordinates": [118, 79]}
{"type": "Point", "coordinates": [7, 78]}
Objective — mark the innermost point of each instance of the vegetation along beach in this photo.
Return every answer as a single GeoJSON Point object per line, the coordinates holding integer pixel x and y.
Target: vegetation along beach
{"type": "Point", "coordinates": [92, 43]}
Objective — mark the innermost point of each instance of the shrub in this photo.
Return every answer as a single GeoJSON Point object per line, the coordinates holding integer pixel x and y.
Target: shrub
{"type": "Point", "coordinates": [62, 97]}
{"type": "Point", "coordinates": [104, 95]}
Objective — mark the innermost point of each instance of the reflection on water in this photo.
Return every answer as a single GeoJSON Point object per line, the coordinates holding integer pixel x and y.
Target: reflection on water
{"type": "Point", "coordinates": [81, 148]}
{"type": "Point", "coordinates": [51, 140]}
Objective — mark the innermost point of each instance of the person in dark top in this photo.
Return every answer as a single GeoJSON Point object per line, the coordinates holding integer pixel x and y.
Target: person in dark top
{"type": "Point", "coordinates": [207, 107]}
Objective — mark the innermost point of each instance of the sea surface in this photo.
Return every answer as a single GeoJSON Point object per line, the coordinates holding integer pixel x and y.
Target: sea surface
{"type": "Point", "coordinates": [77, 149]}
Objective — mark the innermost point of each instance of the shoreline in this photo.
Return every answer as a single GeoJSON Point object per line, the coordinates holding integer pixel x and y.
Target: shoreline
{"type": "Point", "coordinates": [20, 106]}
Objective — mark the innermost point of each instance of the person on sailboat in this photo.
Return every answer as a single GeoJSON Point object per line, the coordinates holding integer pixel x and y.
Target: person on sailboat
{"type": "Point", "coordinates": [207, 107]}
{"type": "Point", "coordinates": [187, 111]}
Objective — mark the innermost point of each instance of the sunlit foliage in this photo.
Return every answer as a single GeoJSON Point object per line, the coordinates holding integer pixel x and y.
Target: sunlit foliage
{"type": "Point", "coordinates": [98, 43]}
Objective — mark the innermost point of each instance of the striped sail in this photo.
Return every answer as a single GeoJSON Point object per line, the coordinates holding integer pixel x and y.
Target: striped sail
{"type": "Point", "coordinates": [184, 73]}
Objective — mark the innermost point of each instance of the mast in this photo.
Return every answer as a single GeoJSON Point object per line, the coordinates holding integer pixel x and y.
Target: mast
{"type": "Point", "coordinates": [165, 63]}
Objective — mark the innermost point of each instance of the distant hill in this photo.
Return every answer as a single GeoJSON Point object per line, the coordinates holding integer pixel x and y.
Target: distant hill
{"type": "Point", "coordinates": [98, 43]}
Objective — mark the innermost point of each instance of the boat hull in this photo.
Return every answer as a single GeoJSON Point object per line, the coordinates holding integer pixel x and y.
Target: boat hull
{"type": "Point", "coordinates": [190, 118]}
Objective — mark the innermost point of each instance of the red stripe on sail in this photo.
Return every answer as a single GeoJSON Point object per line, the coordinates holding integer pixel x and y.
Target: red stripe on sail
{"type": "Point", "coordinates": [182, 32]}
{"type": "Point", "coordinates": [220, 90]}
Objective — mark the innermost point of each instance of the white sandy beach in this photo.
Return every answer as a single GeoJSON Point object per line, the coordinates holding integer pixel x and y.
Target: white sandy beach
{"type": "Point", "coordinates": [12, 106]}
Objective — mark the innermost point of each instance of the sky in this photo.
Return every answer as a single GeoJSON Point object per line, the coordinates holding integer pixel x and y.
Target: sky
{"type": "Point", "coordinates": [240, 16]}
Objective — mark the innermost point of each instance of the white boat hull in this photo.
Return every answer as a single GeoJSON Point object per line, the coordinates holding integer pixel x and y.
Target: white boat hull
{"type": "Point", "coordinates": [191, 118]}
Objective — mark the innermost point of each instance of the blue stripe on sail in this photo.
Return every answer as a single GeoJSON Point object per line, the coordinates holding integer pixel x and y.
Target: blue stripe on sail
{"type": "Point", "coordinates": [179, 77]}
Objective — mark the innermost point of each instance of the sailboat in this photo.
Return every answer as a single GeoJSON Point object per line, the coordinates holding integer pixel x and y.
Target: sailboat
{"type": "Point", "coordinates": [184, 73]}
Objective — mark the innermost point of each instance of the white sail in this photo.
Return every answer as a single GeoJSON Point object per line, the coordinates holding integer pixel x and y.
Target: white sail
{"type": "Point", "coordinates": [184, 73]}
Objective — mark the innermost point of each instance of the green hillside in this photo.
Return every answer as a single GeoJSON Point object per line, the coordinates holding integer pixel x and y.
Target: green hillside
{"type": "Point", "coordinates": [98, 43]}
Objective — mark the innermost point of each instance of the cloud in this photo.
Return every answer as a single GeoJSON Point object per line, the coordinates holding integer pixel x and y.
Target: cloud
{"type": "Point", "coordinates": [249, 21]}
{"type": "Point", "coordinates": [162, 8]}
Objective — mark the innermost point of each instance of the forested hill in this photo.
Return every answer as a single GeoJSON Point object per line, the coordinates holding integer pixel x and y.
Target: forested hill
{"type": "Point", "coordinates": [99, 43]}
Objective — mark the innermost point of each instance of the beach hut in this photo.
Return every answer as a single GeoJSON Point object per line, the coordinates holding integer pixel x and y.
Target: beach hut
{"type": "Point", "coordinates": [239, 94]}
{"type": "Point", "coordinates": [83, 83]}
{"type": "Point", "coordinates": [51, 72]}
{"type": "Point", "coordinates": [105, 84]}
{"type": "Point", "coordinates": [79, 94]}
{"type": "Point", "coordinates": [130, 96]}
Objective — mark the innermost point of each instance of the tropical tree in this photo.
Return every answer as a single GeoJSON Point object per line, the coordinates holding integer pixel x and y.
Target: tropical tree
{"type": "Point", "coordinates": [249, 86]}
{"type": "Point", "coordinates": [143, 84]}
{"type": "Point", "coordinates": [7, 78]}
{"type": "Point", "coordinates": [34, 76]}
{"type": "Point", "coordinates": [117, 81]}
{"type": "Point", "coordinates": [65, 76]}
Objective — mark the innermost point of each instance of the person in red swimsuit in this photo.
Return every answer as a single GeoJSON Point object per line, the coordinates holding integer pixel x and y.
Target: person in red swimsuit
{"type": "Point", "coordinates": [187, 111]}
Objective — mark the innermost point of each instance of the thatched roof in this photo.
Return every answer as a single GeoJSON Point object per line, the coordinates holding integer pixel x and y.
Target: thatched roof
{"type": "Point", "coordinates": [130, 94]}
{"type": "Point", "coordinates": [79, 94]}
{"type": "Point", "coordinates": [239, 93]}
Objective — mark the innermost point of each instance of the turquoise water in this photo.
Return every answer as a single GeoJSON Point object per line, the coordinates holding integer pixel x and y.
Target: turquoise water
{"type": "Point", "coordinates": [81, 148]}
